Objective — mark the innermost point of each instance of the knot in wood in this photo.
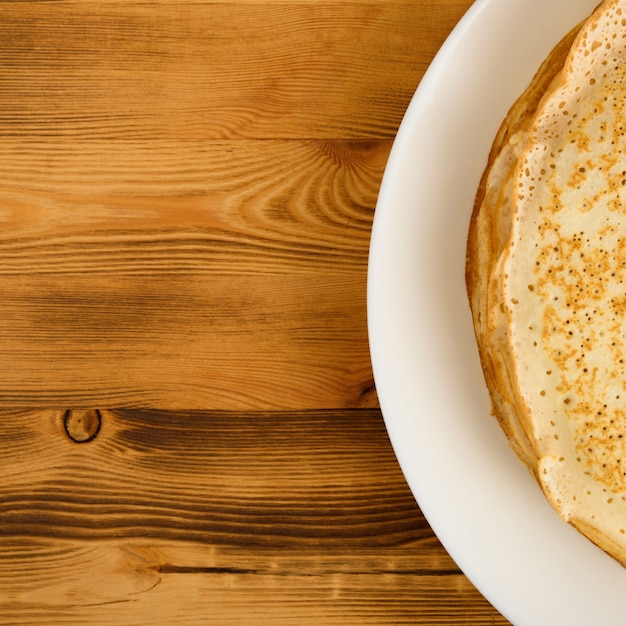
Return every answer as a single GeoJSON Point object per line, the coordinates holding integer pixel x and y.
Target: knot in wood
{"type": "Point", "coordinates": [82, 426]}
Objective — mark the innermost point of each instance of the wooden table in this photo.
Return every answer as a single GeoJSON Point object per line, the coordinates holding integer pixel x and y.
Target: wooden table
{"type": "Point", "coordinates": [190, 432]}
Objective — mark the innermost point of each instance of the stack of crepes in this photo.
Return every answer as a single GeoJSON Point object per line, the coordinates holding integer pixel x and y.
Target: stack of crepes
{"type": "Point", "coordinates": [546, 277]}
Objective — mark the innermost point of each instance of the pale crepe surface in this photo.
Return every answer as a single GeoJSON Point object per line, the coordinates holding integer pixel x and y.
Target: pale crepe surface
{"type": "Point", "coordinates": [547, 277]}
{"type": "Point", "coordinates": [490, 230]}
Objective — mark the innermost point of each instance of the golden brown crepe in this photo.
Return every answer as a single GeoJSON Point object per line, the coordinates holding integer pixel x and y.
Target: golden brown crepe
{"type": "Point", "coordinates": [546, 277]}
{"type": "Point", "coordinates": [489, 233]}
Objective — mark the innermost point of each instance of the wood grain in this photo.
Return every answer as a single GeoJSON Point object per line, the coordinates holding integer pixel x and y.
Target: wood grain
{"type": "Point", "coordinates": [145, 288]}
{"type": "Point", "coordinates": [184, 342]}
{"type": "Point", "coordinates": [219, 207]}
{"type": "Point", "coordinates": [155, 70]}
{"type": "Point", "coordinates": [187, 192]}
{"type": "Point", "coordinates": [208, 512]}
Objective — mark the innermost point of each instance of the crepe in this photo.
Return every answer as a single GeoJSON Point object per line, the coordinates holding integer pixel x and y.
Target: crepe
{"type": "Point", "coordinates": [546, 277]}
{"type": "Point", "coordinates": [489, 233]}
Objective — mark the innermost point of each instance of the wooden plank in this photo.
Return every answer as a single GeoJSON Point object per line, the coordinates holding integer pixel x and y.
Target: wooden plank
{"type": "Point", "coordinates": [214, 70]}
{"type": "Point", "coordinates": [208, 476]}
{"type": "Point", "coordinates": [213, 517]}
{"type": "Point", "coordinates": [219, 207]}
{"type": "Point", "coordinates": [184, 342]}
{"type": "Point", "coordinates": [264, 598]}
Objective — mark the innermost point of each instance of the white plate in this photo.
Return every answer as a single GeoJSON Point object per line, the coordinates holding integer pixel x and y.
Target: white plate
{"type": "Point", "coordinates": [480, 500]}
